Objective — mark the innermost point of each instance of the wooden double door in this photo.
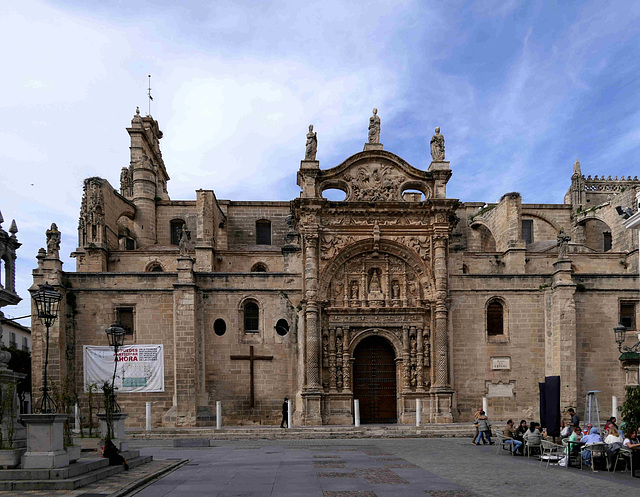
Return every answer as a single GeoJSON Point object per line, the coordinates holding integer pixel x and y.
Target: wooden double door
{"type": "Point", "coordinates": [374, 380]}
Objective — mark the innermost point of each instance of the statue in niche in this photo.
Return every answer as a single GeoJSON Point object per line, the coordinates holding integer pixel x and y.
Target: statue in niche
{"type": "Point", "coordinates": [312, 144]}
{"type": "Point", "coordinates": [563, 242]}
{"type": "Point", "coordinates": [355, 290]}
{"type": "Point", "coordinates": [374, 127]}
{"type": "Point", "coordinates": [395, 290]}
{"type": "Point", "coordinates": [374, 283]}
{"type": "Point", "coordinates": [337, 290]}
{"type": "Point", "coordinates": [437, 146]}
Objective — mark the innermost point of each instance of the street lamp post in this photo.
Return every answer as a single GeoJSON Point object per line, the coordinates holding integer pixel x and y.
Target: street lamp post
{"type": "Point", "coordinates": [620, 333]}
{"type": "Point", "coordinates": [47, 301]}
{"type": "Point", "coordinates": [115, 335]}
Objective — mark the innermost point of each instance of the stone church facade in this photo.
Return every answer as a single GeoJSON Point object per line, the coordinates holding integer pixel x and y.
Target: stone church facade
{"type": "Point", "coordinates": [394, 294]}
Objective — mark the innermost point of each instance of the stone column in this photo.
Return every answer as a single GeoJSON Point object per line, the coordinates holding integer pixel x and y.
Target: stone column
{"type": "Point", "coordinates": [312, 391]}
{"type": "Point", "coordinates": [441, 388]}
{"type": "Point", "coordinates": [332, 360]}
{"type": "Point", "coordinates": [346, 360]}
{"type": "Point", "coordinates": [406, 371]}
{"type": "Point", "coordinates": [420, 360]}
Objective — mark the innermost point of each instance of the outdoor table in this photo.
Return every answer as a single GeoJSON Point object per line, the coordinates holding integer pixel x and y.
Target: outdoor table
{"type": "Point", "coordinates": [571, 448]}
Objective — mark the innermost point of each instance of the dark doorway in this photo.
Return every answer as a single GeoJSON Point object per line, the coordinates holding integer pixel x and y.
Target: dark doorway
{"type": "Point", "coordinates": [374, 381]}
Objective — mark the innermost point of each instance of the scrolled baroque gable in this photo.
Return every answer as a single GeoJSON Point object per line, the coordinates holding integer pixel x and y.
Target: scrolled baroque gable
{"type": "Point", "coordinates": [375, 176]}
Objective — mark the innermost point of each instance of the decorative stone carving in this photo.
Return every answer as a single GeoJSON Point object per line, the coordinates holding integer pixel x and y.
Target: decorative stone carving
{"type": "Point", "coordinates": [374, 183]}
{"type": "Point", "coordinates": [331, 244]}
{"type": "Point", "coordinates": [355, 290]}
{"type": "Point", "coordinates": [437, 146]}
{"type": "Point", "coordinates": [563, 242]}
{"type": "Point", "coordinates": [312, 144]}
{"type": "Point", "coordinates": [91, 223]}
{"type": "Point", "coordinates": [374, 127]}
{"type": "Point", "coordinates": [126, 182]}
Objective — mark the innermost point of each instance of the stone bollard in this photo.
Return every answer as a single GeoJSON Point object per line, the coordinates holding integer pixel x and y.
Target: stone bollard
{"type": "Point", "coordinates": [356, 412]}
{"type": "Point", "coordinates": [289, 414]}
{"type": "Point", "coordinates": [485, 405]}
{"type": "Point", "coordinates": [418, 411]}
{"type": "Point", "coordinates": [147, 426]}
{"type": "Point", "coordinates": [614, 406]}
{"type": "Point", "coordinates": [218, 415]}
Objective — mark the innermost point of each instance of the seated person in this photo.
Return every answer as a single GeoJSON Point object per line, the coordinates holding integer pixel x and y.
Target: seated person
{"type": "Point", "coordinates": [112, 453]}
{"type": "Point", "coordinates": [510, 433]}
{"type": "Point", "coordinates": [614, 442]}
{"type": "Point", "coordinates": [610, 422]}
{"type": "Point", "coordinates": [576, 436]}
{"type": "Point", "coordinates": [565, 429]}
{"type": "Point", "coordinates": [521, 430]}
{"type": "Point", "coordinates": [533, 436]}
{"type": "Point", "coordinates": [631, 441]}
{"type": "Point", "coordinates": [592, 438]}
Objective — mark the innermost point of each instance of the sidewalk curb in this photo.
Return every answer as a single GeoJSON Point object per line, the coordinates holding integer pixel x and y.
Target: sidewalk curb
{"type": "Point", "coordinates": [147, 479]}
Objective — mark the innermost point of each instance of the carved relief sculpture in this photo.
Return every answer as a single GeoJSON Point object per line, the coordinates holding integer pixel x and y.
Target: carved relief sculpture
{"type": "Point", "coordinates": [312, 144]}
{"type": "Point", "coordinates": [437, 146]}
{"type": "Point", "coordinates": [374, 127]}
{"type": "Point", "coordinates": [380, 182]}
{"type": "Point", "coordinates": [91, 223]}
{"type": "Point", "coordinates": [355, 290]}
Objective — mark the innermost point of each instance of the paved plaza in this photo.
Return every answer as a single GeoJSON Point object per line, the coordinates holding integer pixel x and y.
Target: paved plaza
{"type": "Point", "coordinates": [356, 468]}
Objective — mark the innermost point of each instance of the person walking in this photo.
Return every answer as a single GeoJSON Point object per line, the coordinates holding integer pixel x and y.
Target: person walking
{"type": "Point", "coordinates": [285, 413]}
{"type": "Point", "coordinates": [475, 422]}
{"type": "Point", "coordinates": [484, 427]}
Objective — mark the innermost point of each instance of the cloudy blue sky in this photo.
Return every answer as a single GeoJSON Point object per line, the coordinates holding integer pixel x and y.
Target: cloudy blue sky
{"type": "Point", "coordinates": [520, 90]}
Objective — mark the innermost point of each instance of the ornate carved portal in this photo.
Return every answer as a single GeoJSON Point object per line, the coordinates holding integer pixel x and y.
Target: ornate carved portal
{"type": "Point", "coordinates": [381, 295]}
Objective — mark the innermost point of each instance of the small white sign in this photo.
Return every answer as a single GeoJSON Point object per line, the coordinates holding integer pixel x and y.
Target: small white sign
{"type": "Point", "coordinates": [501, 363]}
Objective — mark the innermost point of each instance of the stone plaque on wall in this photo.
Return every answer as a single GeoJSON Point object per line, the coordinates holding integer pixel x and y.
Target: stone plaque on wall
{"type": "Point", "coordinates": [501, 363]}
{"type": "Point", "coordinates": [500, 389]}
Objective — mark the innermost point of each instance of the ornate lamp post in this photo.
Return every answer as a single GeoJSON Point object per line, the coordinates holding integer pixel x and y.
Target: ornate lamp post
{"type": "Point", "coordinates": [620, 332]}
{"type": "Point", "coordinates": [47, 301]}
{"type": "Point", "coordinates": [115, 335]}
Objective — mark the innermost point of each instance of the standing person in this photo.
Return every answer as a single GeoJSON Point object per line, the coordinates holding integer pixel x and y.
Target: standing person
{"type": "Point", "coordinates": [285, 413]}
{"type": "Point", "coordinates": [475, 421]}
{"type": "Point", "coordinates": [575, 420]}
{"type": "Point", "coordinates": [510, 432]}
{"type": "Point", "coordinates": [484, 427]}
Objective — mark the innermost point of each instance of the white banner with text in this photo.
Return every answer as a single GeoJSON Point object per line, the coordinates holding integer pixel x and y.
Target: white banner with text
{"type": "Point", "coordinates": [140, 367]}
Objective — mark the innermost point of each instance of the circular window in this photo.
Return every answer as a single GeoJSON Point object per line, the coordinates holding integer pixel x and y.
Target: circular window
{"type": "Point", "coordinates": [219, 327]}
{"type": "Point", "coordinates": [282, 327]}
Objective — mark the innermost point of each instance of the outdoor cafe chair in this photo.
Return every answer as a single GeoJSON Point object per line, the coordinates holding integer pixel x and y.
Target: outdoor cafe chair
{"type": "Point", "coordinates": [627, 454]}
{"type": "Point", "coordinates": [528, 446]}
{"type": "Point", "coordinates": [598, 451]}
{"type": "Point", "coordinates": [551, 452]}
{"type": "Point", "coordinates": [572, 450]}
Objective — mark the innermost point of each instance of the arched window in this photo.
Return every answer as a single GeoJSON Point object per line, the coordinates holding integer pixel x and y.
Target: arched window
{"type": "Point", "coordinates": [263, 232]}
{"type": "Point", "coordinates": [495, 318]}
{"type": "Point", "coordinates": [176, 231]}
{"type": "Point", "coordinates": [155, 267]}
{"type": "Point", "coordinates": [251, 317]}
{"type": "Point", "coordinates": [259, 267]}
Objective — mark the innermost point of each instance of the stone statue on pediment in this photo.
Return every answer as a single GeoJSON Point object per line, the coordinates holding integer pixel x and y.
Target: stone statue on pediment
{"type": "Point", "coordinates": [374, 127]}
{"type": "Point", "coordinates": [311, 147]}
{"type": "Point", "coordinates": [563, 243]}
{"type": "Point", "coordinates": [437, 146]}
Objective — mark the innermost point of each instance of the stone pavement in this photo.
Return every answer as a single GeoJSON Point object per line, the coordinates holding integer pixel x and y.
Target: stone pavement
{"type": "Point", "coordinates": [359, 468]}
{"type": "Point", "coordinates": [355, 468]}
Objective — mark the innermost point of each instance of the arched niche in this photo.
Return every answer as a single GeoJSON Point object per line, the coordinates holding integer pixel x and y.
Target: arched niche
{"type": "Point", "coordinates": [395, 264]}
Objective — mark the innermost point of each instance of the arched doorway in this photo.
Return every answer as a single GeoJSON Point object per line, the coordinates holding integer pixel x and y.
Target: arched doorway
{"type": "Point", "coordinates": [374, 380]}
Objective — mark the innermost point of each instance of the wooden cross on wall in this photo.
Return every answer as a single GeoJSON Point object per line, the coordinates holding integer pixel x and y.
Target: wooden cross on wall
{"type": "Point", "coordinates": [251, 358]}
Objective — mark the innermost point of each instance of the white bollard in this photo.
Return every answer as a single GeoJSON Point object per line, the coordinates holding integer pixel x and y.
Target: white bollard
{"type": "Point", "coordinates": [218, 415]}
{"type": "Point", "coordinates": [418, 411]}
{"type": "Point", "coordinates": [614, 406]}
{"type": "Point", "coordinates": [147, 425]}
{"type": "Point", "coordinates": [76, 428]}
{"type": "Point", "coordinates": [485, 405]}
{"type": "Point", "coordinates": [356, 411]}
{"type": "Point", "coordinates": [289, 414]}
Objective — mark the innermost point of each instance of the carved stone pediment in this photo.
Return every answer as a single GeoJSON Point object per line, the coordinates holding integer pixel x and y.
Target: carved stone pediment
{"type": "Point", "coordinates": [375, 176]}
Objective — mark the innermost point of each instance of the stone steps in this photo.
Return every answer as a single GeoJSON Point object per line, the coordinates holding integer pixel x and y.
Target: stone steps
{"type": "Point", "coordinates": [85, 471]}
{"type": "Point", "coordinates": [198, 435]}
